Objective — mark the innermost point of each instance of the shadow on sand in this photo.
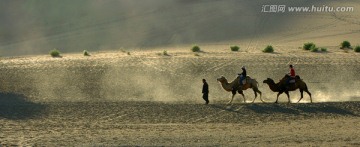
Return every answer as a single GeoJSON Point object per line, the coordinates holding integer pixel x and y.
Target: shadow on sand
{"type": "Point", "coordinates": [271, 108]}
{"type": "Point", "coordinates": [17, 106]}
{"type": "Point", "coordinates": [295, 109]}
{"type": "Point", "coordinates": [330, 108]}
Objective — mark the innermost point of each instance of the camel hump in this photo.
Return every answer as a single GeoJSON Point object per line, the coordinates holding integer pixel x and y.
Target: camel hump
{"type": "Point", "coordinates": [250, 80]}
{"type": "Point", "coordinates": [297, 77]}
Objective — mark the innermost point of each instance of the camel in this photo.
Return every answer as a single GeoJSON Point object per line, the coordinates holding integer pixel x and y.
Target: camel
{"type": "Point", "coordinates": [280, 87]}
{"type": "Point", "coordinates": [250, 83]}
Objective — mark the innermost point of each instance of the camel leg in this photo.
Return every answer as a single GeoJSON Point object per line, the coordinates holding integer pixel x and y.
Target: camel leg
{"type": "Point", "coordinates": [260, 96]}
{"type": "Point", "coordinates": [232, 98]}
{"type": "Point", "coordinates": [254, 89]}
{"type": "Point", "coordinates": [307, 91]}
{"type": "Point", "coordinates": [287, 93]}
{"type": "Point", "coordinates": [241, 92]}
{"type": "Point", "coordinates": [301, 94]}
{"type": "Point", "coordinates": [277, 98]}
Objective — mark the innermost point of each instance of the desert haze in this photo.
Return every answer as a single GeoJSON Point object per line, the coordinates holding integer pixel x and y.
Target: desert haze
{"type": "Point", "coordinates": [141, 84]}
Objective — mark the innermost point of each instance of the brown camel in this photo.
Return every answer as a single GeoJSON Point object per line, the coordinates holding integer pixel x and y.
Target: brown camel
{"type": "Point", "coordinates": [281, 87]}
{"type": "Point", "coordinates": [250, 83]}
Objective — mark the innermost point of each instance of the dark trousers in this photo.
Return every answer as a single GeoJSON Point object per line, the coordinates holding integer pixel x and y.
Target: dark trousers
{"type": "Point", "coordinates": [241, 80]}
{"type": "Point", "coordinates": [206, 97]}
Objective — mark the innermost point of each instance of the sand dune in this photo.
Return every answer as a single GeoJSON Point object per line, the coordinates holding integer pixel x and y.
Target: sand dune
{"type": "Point", "coordinates": [37, 27]}
{"type": "Point", "coordinates": [112, 98]}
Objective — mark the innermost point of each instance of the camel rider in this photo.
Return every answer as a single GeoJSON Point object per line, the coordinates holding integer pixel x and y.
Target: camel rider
{"type": "Point", "coordinates": [291, 74]}
{"type": "Point", "coordinates": [242, 76]}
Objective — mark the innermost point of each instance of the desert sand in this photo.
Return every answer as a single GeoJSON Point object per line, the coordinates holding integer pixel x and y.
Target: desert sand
{"type": "Point", "coordinates": [148, 99]}
{"type": "Point", "coordinates": [127, 93]}
{"type": "Point", "coordinates": [159, 124]}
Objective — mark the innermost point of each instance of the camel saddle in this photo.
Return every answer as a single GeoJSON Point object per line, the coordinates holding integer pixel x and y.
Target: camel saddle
{"type": "Point", "coordinates": [244, 81]}
{"type": "Point", "coordinates": [292, 81]}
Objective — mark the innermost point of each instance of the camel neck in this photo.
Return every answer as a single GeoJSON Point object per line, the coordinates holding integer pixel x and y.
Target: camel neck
{"type": "Point", "coordinates": [274, 87]}
{"type": "Point", "coordinates": [227, 86]}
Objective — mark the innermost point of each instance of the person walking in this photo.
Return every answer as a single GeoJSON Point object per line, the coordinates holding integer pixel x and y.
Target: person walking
{"type": "Point", "coordinates": [205, 91]}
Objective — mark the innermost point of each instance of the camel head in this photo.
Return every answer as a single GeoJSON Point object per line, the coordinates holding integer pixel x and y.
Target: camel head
{"type": "Point", "coordinates": [222, 79]}
{"type": "Point", "coordinates": [269, 81]}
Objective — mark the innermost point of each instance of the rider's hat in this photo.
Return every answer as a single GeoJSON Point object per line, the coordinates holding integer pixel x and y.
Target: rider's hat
{"type": "Point", "coordinates": [243, 67]}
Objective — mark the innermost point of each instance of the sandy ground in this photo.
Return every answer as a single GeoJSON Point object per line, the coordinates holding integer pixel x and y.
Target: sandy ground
{"type": "Point", "coordinates": [159, 124]}
{"type": "Point", "coordinates": [146, 99]}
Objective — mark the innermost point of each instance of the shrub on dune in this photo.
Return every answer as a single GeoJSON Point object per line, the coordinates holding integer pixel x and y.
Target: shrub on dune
{"type": "Point", "coordinates": [86, 53]}
{"type": "Point", "coordinates": [234, 48]}
{"type": "Point", "coordinates": [165, 53]}
{"type": "Point", "coordinates": [268, 49]}
{"type": "Point", "coordinates": [55, 53]}
{"type": "Point", "coordinates": [323, 49]}
{"type": "Point", "coordinates": [313, 48]}
{"type": "Point", "coordinates": [357, 49]}
{"type": "Point", "coordinates": [345, 44]}
{"type": "Point", "coordinates": [195, 48]}
{"type": "Point", "coordinates": [307, 46]}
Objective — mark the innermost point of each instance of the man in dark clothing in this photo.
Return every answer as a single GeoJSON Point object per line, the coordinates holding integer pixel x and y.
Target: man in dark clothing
{"type": "Point", "coordinates": [205, 91]}
{"type": "Point", "coordinates": [242, 76]}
